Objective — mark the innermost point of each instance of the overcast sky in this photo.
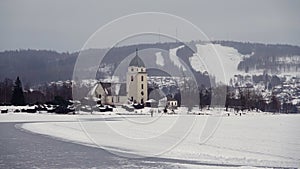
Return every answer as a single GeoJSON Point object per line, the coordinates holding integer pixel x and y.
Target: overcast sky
{"type": "Point", "coordinates": [65, 25]}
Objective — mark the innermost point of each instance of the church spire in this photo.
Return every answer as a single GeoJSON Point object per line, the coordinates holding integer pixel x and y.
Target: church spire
{"type": "Point", "coordinates": [137, 61]}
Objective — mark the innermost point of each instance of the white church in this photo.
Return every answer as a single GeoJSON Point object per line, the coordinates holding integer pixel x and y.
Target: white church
{"type": "Point", "coordinates": [135, 90]}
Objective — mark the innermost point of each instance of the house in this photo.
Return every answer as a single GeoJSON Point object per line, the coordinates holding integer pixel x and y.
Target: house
{"type": "Point", "coordinates": [151, 103]}
{"type": "Point", "coordinates": [172, 103]}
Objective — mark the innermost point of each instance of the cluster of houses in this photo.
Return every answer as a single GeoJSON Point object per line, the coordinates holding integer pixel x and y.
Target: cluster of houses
{"type": "Point", "coordinates": [289, 92]}
{"type": "Point", "coordinates": [286, 88]}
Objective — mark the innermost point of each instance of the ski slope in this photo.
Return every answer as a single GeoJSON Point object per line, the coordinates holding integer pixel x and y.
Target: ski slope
{"type": "Point", "coordinates": [175, 59]}
{"type": "Point", "coordinates": [219, 61]}
{"type": "Point", "coordinates": [159, 59]}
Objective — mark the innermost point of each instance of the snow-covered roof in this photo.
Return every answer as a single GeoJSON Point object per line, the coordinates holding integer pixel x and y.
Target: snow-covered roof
{"type": "Point", "coordinates": [151, 101]}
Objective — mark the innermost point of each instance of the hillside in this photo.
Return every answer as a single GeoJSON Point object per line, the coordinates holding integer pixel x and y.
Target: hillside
{"type": "Point", "coordinates": [42, 66]}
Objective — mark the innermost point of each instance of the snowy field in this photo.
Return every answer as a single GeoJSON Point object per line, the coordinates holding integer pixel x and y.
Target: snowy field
{"type": "Point", "coordinates": [257, 140]}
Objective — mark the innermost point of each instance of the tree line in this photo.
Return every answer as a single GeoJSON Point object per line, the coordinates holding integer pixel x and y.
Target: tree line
{"type": "Point", "coordinates": [13, 93]}
{"type": "Point", "coordinates": [229, 97]}
{"type": "Point", "coordinates": [189, 95]}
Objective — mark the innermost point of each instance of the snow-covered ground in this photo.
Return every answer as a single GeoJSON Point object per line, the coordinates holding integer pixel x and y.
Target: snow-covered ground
{"type": "Point", "coordinates": [257, 140]}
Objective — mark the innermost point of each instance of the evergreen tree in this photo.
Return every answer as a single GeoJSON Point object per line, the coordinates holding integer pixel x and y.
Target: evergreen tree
{"type": "Point", "coordinates": [275, 104]}
{"type": "Point", "coordinates": [18, 98]}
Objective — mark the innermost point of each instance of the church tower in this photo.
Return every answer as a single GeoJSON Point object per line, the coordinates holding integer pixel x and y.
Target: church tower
{"type": "Point", "coordinates": [137, 80]}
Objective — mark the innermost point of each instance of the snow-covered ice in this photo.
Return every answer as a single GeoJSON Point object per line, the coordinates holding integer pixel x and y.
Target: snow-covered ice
{"type": "Point", "coordinates": [257, 140]}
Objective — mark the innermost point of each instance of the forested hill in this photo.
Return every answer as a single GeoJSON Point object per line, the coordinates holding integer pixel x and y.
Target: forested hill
{"type": "Point", "coordinates": [41, 66]}
{"type": "Point", "coordinates": [36, 66]}
{"type": "Point", "coordinates": [275, 58]}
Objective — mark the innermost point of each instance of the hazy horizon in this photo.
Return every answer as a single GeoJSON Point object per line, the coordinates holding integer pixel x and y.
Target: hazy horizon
{"type": "Point", "coordinates": [102, 48]}
{"type": "Point", "coordinates": [65, 26]}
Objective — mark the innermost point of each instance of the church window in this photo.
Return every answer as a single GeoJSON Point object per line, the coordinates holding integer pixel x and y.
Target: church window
{"type": "Point", "coordinates": [131, 78]}
{"type": "Point", "coordinates": [142, 78]}
{"type": "Point", "coordinates": [142, 86]}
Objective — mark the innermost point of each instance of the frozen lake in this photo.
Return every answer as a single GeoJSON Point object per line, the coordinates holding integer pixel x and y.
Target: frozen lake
{"type": "Point", "coordinates": [239, 141]}
{"type": "Point", "coordinates": [19, 149]}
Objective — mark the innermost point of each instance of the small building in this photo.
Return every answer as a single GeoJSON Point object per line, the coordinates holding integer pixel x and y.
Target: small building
{"type": "Point", "coordinates": [172, 103]}
{"type": "Point", "coordinates": [151, 103]}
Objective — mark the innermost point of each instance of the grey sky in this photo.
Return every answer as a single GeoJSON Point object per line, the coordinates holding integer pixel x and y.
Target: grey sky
{"type": "Point", "coordinates": [65, 25]}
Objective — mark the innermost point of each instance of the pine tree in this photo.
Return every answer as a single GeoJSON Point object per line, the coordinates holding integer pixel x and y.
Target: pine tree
{"type": "Point", "coordinates": [18, 95]}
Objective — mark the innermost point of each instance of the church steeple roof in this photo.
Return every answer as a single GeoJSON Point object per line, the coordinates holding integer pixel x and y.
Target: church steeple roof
{"type": "Point", "coordinates": [137, 61]}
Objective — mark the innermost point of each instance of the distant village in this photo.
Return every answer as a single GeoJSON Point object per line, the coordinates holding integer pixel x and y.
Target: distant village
{"type": "Point", "coordinates": [260, 93]}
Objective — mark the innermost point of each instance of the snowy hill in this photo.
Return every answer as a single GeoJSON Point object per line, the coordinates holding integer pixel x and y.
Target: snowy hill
{"type": "Point", "coordinates": [159, 59]}
{"type": "Point", "coordinates": [207, 58]}
{"type": "Point", "coordinates": [174, 58]}
{"type": "Point", "coordinates": [40, 66]}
